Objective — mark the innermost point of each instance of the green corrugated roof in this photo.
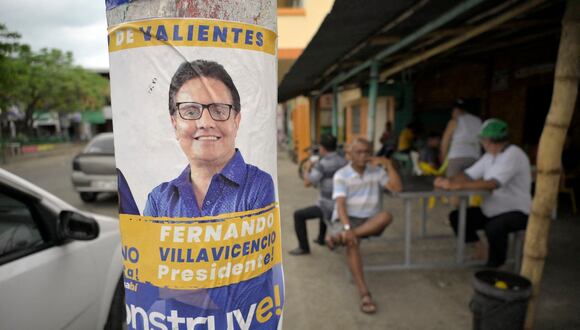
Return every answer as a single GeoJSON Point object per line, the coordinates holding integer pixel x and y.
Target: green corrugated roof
{"type": "Point", "coordinates": [93, 117]}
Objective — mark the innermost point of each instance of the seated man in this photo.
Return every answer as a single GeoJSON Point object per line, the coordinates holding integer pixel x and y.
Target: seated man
{"type": "Point", "coordinates": [320, 175]}
{"type": "Point", "coordinates": [358, 193]}
{"type": "Point", "coordinates": [504, 169]}
{"type": "Point", "coordinates": [429, 154]}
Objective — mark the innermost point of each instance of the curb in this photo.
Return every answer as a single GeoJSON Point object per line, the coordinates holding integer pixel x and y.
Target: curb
{"type": "Point", "coordinates": [44, 151]}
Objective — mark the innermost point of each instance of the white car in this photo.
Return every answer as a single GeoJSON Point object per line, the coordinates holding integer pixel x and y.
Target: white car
{"type": "Point", "coordinates": [60, 268]}
{"type": "Point", "coordinates": [94, 169]}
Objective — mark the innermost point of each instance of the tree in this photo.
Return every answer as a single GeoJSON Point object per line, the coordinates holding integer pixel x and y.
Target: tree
{"type": "Point", "coordinates": [550, 152]}
{"type": "Point", "coordinates": [8, 48]}
{"type": "Point", "coordinates": [46, 80]}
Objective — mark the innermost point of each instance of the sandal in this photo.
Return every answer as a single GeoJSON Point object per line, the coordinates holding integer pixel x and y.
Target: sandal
{"type": "Point", "coordinates": [367, 304]}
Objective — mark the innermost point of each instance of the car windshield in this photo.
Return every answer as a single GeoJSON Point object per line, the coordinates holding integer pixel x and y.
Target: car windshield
{"type": "Point", "coordinates": [102, 144]}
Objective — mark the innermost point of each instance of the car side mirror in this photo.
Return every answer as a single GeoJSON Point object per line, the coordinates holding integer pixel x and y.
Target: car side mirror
{"type": "Point", "coordinates": [74, 225]}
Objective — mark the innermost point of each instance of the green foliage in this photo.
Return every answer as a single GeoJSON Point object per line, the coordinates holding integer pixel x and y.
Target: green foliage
{"type": "Point", "coordinates": [46, 80]}
{"type": "Point", "coordinates": [9, 46]}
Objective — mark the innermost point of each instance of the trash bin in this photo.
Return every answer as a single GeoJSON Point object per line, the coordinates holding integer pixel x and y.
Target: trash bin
{"type": "Point", "coordinates": [500, 300]}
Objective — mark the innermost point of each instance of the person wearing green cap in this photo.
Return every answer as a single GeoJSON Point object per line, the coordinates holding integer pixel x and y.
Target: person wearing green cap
{"type": "Point", "coordinates": [505, 171]}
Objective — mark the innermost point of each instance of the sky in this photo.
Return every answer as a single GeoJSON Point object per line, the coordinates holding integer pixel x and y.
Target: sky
{"type": "Point", "coordinates": [79, 26]}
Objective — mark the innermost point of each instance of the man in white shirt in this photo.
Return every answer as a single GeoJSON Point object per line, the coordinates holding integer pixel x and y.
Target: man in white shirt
{"type": "Point", "coordinates": [357, 192]}
{"type": "Point", "coordinates": [504, 170]}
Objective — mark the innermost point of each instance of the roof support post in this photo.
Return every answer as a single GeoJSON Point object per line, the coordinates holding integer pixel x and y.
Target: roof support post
{"type": "Point", "coordinates": [373, 91]}
{"type": "Point", "coordinates": [335, 111]}
{"type": "Point", "coordinates": [313, 109]}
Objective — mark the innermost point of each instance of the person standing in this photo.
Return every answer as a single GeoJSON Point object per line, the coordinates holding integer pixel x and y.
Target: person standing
{"type": "Point", "coordinates": [460, 143]}
{"type": "Point", "coordinates": [319, 175]}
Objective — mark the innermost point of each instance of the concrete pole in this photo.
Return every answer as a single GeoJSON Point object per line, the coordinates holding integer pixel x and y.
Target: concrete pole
{"type": "Point", "coordinates": [373, 92]}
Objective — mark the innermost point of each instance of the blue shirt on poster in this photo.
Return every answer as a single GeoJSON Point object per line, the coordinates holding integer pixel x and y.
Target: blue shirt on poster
{"type": "Point", "coordinates": [238, 187]}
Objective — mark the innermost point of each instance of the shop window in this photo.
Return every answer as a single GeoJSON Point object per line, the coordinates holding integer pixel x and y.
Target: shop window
{"type": "Point", "coordinates": [290, 4]}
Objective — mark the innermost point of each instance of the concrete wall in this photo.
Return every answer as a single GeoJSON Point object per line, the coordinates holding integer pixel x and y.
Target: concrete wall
{"type": "Point", "coordinates": [380, 120]}
{"type": "Point", "coordinates": [345, 97]}
{"type": "Point", "coordinates": [436, 91]}
{"type": "Point", "coordinates": [297, 27]}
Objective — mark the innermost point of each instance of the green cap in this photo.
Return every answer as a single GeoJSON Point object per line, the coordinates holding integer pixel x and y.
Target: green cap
{"type": "Point", "coordinates": [494, 129]}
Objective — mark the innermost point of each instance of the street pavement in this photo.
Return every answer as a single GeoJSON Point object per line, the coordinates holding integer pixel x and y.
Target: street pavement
{"type": "Point", "coordinates": [319, 291]}
{"type": "Point", "coordinates": [52, 171]}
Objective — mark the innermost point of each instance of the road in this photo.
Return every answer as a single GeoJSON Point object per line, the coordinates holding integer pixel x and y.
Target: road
{"type": "Point", "coordinates": [53, 173]}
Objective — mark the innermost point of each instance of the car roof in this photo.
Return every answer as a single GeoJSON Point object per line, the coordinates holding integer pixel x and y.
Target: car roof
{"type": "Point", "coordinates": [20, 184]}
{"type": "Point", "coordinates": [105, 134]}
{"type": "Point", "coordinates": [102, 136]}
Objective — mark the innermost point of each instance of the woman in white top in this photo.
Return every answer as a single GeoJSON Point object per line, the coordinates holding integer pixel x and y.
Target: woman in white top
{"type": "Point", "coordinates": [505, 170]}
{"type": "Point", "coordinates": [460, 143]}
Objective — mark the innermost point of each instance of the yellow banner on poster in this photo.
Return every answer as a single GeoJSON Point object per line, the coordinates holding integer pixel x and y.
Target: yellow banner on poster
{"type": "Point", "coordinates": [208, 252]}
{"type": "Point", "coordinates": [191, 32]}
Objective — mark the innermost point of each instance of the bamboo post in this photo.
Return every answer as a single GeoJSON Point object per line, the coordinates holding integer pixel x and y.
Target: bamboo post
{"type": "Point", "coordinates": [550, 152]}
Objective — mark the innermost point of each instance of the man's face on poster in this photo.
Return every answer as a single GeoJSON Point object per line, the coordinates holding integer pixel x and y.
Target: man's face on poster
{"type": "Point", "coordinates": [205, 139]}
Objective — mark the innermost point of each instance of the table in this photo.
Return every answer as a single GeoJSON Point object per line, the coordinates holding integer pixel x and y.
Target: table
{"type": "Point", "coordinates": [414, 188]}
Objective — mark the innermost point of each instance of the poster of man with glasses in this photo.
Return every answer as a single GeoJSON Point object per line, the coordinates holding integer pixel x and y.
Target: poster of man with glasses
{"type": "Point", "coordinates": [194, 116]}
{"type": "Point", "coordinates": [205, 112]}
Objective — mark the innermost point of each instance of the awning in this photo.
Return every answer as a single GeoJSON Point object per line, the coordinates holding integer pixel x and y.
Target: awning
{"type": "Point", "coordinates": [356, 31]}
{"type": "Point", "coordinates": [93, 117]}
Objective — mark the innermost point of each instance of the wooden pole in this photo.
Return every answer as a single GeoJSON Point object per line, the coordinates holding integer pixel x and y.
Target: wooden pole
{"type": "Point", "coordinates": [474, 32]}
{"type": "Point", "coordinates": [550, 152]}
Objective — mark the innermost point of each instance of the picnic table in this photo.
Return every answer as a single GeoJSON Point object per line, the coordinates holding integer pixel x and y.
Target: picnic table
{"type": "Point", "coordinates": [421, 187]}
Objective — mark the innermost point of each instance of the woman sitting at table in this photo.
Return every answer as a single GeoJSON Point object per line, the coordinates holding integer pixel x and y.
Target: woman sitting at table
{"type": "Point", "coordinates": [504, 169]}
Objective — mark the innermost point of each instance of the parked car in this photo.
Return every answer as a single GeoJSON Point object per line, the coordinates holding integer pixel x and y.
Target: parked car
{"type": "Point", "coordinates": [60, 268]}
{"type": "Point", "coordinates": [94, 169]}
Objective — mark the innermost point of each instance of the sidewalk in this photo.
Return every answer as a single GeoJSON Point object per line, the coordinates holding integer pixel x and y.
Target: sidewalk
{"type": "Point", "coordinates": [320, 294]}
{"type": "Point", "coordinates": [52, 150]}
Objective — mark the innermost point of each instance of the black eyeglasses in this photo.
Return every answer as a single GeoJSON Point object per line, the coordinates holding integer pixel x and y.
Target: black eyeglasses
{"type": "Point", "coordinates": [194, 110]}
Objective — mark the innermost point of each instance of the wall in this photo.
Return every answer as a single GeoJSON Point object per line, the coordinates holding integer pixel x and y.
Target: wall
{"type": "Point", "coordinates": [380, 120]}
{"type": "Point", "coordinates": [300, 119]}
{"type": "Point", "coordinates": [345, 97]}
{"type": "Point", "coordinates": [436, 89]}
{"type": "Point", "coordinates": [297, 27]}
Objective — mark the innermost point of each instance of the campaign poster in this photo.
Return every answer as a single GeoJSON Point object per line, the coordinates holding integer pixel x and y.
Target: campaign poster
{"type": "Point", "coordinates": [193, 93]}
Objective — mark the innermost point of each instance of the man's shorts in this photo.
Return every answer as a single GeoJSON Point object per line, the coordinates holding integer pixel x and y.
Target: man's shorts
{"type": "Point", "coordinates": [337, 226]}
{"type": "Point", "coordinates": [458, 165]}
